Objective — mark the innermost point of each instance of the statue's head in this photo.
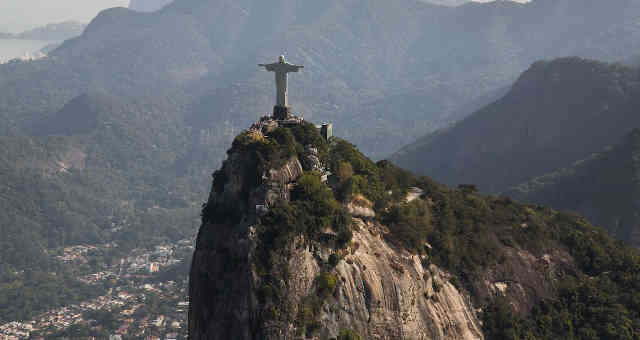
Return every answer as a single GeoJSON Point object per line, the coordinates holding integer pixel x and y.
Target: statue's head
{"type": "Point", "coordinates": [281, 59]}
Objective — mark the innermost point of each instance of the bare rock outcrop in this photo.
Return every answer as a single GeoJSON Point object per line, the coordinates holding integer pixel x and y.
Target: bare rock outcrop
{"type": "Point", "coordinates": [376, 289]}
{"type": "Point", "coordinates": [386, 293]}
{"type": "Point", "coordinates": [288, 250]}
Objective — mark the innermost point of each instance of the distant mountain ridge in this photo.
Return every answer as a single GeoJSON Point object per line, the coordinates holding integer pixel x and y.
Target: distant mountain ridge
{"type": "Point", "coordinates": [543, 143]}
{"type": "Point", "coordinates": [148, 5]}
{"type": "Point", "coordinates": [557, 112]}
{"type": "Point", "coordinates": [347, 50]}
{"type": "Point", "coordinates": [604, 187]}
{"type": "Point", "coordinates": [55, 32]}
{"type": "Point", "coordinates": [100, 170]}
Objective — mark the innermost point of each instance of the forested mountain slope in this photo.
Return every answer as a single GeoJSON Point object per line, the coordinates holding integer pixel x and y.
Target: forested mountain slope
{"type": "Point", "coordinates": [356, 53]}
{"type": "Point", "coordinates": [128, 119]}
{"type": "Point", "coordinates": [99, 171]}
{"type": "Point", "coordinates": [602, 187]}
{"type": "Point", "coordinates": [556, 113]}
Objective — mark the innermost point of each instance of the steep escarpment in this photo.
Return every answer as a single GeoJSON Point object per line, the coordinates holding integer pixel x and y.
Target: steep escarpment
{"type": "Point", "coordinates": [307, 238]}
{"type": "Point", "coordinates": [278, 257]}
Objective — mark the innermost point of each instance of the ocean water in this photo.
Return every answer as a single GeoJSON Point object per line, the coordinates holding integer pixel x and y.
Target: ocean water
{"type": "Point", "coordinates": [15, 48]}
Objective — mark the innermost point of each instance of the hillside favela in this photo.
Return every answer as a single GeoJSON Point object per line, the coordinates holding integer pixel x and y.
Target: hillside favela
{"type": "Point", "coordinates": [320, 170]}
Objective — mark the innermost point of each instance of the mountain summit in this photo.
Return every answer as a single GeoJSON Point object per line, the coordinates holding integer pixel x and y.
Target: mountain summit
{"type": "Point", "coordinates": [305, 237]}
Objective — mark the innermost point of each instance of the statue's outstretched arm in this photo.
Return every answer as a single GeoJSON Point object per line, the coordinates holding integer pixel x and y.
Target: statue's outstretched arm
{"type": "Point", "coordinates": [294, 68]}
{"type": "Point", "coordinates": [269, 67]}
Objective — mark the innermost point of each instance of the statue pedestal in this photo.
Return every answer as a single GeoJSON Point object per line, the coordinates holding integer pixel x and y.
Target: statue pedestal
{"type": "Point", "coordinates": [281, 112]}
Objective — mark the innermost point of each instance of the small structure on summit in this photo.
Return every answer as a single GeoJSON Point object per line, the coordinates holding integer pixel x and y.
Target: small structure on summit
{"type": "Point", "coordinates": [326, 130]}
{"type": "Point", "coordinates": [281, 110]}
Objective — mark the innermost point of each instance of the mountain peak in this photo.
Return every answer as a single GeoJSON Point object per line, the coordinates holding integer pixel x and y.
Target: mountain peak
{"type": "Point", "coordinates": [148, 5]}
{"type": "Point", "coordinates": [572, 106]}
{"type": "Point", "coordinates": [295, 234]}
{"type": "Point", "coordinates": [280, 224]}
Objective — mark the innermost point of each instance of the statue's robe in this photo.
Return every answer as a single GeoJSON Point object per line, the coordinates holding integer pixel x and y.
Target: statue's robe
{"type": "Point", "coordinates": [281, 70]}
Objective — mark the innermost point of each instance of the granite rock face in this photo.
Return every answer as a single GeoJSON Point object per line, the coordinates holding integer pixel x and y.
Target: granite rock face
{"type": "Point", "coordinates": [257, 275]}
{"type": "Point", "coordinates": [389, 294]}
{"type": "Point", "coordinates": [380, 291]}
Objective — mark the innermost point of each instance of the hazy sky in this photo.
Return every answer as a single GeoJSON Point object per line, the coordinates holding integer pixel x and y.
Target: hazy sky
{"type": "Point", "coordinates": [20, 15]}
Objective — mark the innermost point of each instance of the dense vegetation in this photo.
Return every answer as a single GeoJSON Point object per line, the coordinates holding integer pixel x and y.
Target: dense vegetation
{"type": "Point", "coordinates": [505, 146]}
{"type": "Point", "coordinates": [312, 212]}
{"type": "Point", "coordinates": [100, 172]}
{"type": "Point", "coordinates": [603, 187]}
{"type": "Point", "coordinates": [467, 233]}
{"type": "Point", "coordinates": [312, 208]}
{"type": "Point", "coordinates": [455, 222]}
{"type": "Point", "coordinates": [261, 152]}
{"type": "Point", "coordinates": [461, 230]}
{"type": "Point", "coordinates": [601, 303]}
{"type": "Point", "coordinates": [24, 294]}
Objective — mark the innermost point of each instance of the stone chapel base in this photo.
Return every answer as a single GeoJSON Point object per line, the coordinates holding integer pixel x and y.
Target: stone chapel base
{"type": "Point", "coordinates": [281, 112]}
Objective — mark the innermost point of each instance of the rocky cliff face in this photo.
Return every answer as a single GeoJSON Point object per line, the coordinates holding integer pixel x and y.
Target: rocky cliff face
{"type": "Point", "coordinates": [389, 294]}
{"type": "Point", "coordinates": [289, 250]}
{"type": "Point", "coordinates": [381, 292]}
{"type": "Point", "coordinates": [369, 286]}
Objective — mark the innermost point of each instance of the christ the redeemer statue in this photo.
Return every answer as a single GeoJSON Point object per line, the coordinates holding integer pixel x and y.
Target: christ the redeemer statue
{"type": "Point", "coordinates": [281, 68]}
